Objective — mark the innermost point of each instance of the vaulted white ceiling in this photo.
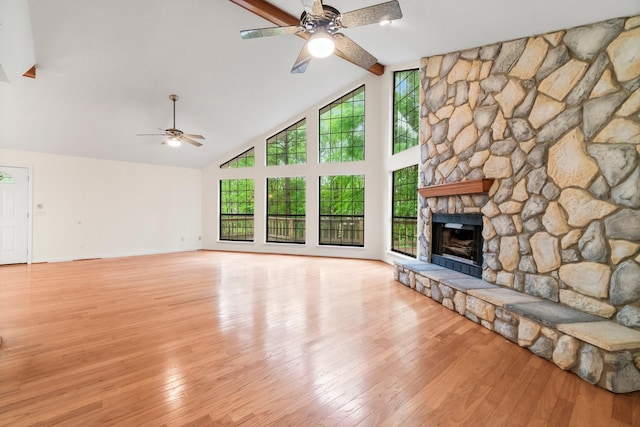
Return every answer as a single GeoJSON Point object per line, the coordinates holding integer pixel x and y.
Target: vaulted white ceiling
{"type": "Point", "coordinates": [105, 69]}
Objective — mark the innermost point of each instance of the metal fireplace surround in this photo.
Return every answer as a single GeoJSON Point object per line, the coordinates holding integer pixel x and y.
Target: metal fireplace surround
{"type": "Point", "coordinates": [457, 242]}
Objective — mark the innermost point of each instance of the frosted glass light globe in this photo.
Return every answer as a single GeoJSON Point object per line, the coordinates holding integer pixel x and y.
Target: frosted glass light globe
{"type": "Point", "coordinates": [321, 44]}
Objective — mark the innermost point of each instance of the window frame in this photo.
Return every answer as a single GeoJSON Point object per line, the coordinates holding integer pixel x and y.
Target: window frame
{"type": "Point", "coordinates": [237, 216]}
{"type": "Point", "coordinates": [235, 162]}
{"type": "Point", "coordinates": [413, 200]}
{"type": "Point", "coordinates": [297, 219]}
{"type": "Point", "coordinates": [344, 220]}
{"type": "Point", "coordinates": [325, 153]}
{"type": "Point", "coordinates": [299, 157]}
{"type": "Point", "coordinates": [396, 146]}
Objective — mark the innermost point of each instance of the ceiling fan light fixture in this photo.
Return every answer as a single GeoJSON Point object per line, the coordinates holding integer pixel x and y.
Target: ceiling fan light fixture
{"type": "Point", "coordinates": [321, 44]}
{"type": "Point", "coordinates": [173, 142]}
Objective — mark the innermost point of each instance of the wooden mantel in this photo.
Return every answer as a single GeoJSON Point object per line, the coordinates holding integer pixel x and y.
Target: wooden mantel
{"type": "Point", "coordinates": [456, 188]}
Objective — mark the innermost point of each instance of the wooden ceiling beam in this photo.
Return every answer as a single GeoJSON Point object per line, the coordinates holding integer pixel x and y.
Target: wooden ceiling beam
{"type": "Point", "coordinates": [266, 10]}
{"type": "Point", "coordinates": [31, 73]}
{"type": "Point", "coordinates": [277, 16]}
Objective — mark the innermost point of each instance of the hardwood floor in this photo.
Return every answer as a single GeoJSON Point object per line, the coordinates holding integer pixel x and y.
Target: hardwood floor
{"type": "Point", "coordinates": [215, 338]}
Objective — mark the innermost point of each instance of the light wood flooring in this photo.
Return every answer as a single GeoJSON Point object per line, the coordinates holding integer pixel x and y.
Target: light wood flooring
{"type": "Point", "coordinates": [218, 338]}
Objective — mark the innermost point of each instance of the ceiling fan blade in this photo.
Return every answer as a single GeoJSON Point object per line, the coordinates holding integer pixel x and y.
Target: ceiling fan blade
{"type": "Point", "coordinates": [316, 8]}
{"type": "Point", "coordinates": [372, 14]}
{"type": "Point", "coordinates": [353, 52]}
{"type": "Point", "coordinates": [190, 141]}
{"type": "Point", "coordinates": [302, 61]}
{"type": "Point", "coordinates": [150, 134]}
{"type": "Point", "coordinates": [190, 135]}
{"type": "Point", "coordinates": [270, 31]}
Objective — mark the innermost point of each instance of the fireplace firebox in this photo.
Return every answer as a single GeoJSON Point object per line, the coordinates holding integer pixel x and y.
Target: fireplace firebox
{"type": "Point", "coordinates": [457, 242]}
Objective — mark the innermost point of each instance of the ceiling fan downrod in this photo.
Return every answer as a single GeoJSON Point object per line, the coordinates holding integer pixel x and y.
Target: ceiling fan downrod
{"type": "Point", "coordinates": [174, 98]}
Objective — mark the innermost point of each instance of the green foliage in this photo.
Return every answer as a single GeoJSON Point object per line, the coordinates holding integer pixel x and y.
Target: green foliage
{"type": "Point", "coordinates": [405, 196]}
{"type": "Point", "coordinates": [342, 129]}
{"type": "Point", "coordinates": [342, 195]}
{"type": "Point", "coordinates": [243, 160]}
{"type": "Point", "coordinates": [236, 196]}
{"type": "Point", "coordinates": [286, 196]}
{"type": "Point", "coordinates": [405, 210]}
{"type": "Point", "coordinates": [406, 110]}
{"type": "Point", "coordinates": [288, 147]}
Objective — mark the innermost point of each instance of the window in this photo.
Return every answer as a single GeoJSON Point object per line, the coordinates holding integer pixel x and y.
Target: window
{"type": "Point", "coordinates": [288, 147]}
{"type": "Point", "coordinates": [404, 218]}
{"type": "Point", "coordinates": [342, 210]}
{"type": "Point", "coordinates": [342, 129]}
{"type": "Point", "coordinates": [5, 178]}
{"type": "Point", "coordinates": [286, 210]}
{"type": "Point", "coordinates": [236, 209]}
{"type": "Point", "coordinates": [243, 160]}
{"type": "Point", "coordinates": [406, 109]}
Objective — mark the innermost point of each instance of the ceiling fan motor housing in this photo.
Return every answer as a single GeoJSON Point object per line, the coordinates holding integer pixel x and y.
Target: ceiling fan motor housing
{"type": "Point", "coordinates": [176, 133]}
{"type": "Point", "coordinates": [329, 22]}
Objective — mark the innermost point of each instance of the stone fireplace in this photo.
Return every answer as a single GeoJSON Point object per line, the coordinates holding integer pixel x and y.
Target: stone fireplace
{"type": "Point", "coordinates": [554, 120]}
{"type": "Point", "coordinates": [549, 125]}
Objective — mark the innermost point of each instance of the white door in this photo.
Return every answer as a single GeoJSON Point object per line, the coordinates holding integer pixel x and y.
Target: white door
{"type": "Point", "coordinates": [14, 215]}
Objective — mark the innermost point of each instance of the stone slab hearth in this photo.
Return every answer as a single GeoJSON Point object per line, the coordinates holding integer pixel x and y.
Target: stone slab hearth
{"type": "Point", "coordinates": [467, 283]}
{"type": "Point", "coordinates": [502, 297]}
{"type": "Point", "coordinates": [606, 335]}
{"type": "Point", "coordinates": [551, 314]}
{"type": "Point", "coordinates": [603, 353]}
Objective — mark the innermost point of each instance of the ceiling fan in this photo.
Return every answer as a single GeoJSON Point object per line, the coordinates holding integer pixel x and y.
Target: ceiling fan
{"type": "Point", "coordinates": [321, 23]}
{"type": "Point", "coordinates": [175, 136]}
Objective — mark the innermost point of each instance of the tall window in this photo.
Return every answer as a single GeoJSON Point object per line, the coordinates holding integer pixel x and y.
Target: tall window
{"type": "Point", "coordinates": [236, 209]}
{"type": "Point", "coordinates": [286, 210]}
{"type": "Point", "coordinates": [342, 129]}
{"type": "Point", "coordinates": [288, 147]}
{"type": "Point", "coordinates": [406, 109]}
{"type": "Point", "coordinates": [342, 210]}
{"type": "Point", "coordinates": [243, 160]}
{"type": "Point", "coordinates": [404, 221]}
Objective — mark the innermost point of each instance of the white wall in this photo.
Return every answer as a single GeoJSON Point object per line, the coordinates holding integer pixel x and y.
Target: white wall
{"type": "Point", "coordinates": [94, 208]}
{"type": "Point", "coordinates": [378, 160]}
{"type": "Point", "coordinates": [98, 208]}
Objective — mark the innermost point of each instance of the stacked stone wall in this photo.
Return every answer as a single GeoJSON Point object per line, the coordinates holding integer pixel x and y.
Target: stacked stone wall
{"type": "Point", "coordinates": [555, 120]}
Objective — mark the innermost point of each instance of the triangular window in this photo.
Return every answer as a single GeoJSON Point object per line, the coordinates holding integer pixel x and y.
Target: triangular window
{"type": "Point", "coordinates": [5, 178]}
{"type": "Point", "coordinates": [242, 160]}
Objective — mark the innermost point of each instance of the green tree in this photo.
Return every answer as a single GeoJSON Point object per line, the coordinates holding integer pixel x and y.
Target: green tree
{"type": "Point", "coordinates": [242, 160]}
{"type": "Point", "coordinates": [236, 209]}
{"type": "Point", "coordinates": [288, 147]}
{"type": "Point", "coordinates": [286, 196]}
{"type": "Point", "coordinates": [342, 129]}
{"type": "Point", "coordinates": [406, 110]}
{"type": "Point", "coordinates": [236, 196]}
{"type": "Point", "coordinates": [342, 195]}
{"type": "Point", "coordinates": [405, 210]}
